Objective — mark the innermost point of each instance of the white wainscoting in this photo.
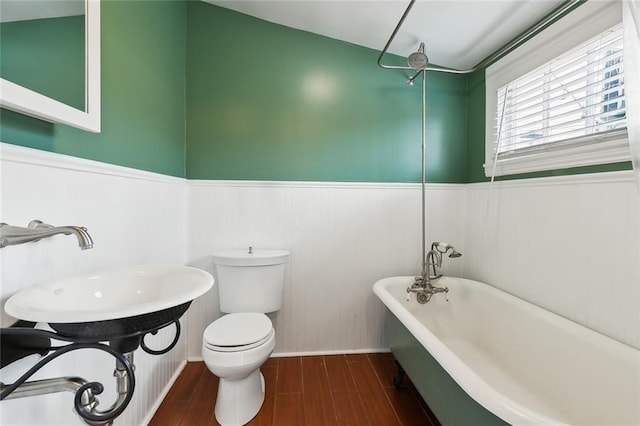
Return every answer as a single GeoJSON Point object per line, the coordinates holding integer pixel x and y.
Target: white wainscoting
{"type": "Point", "coordinates": [569, 244]}
{"type": "Point", "coordinates": [134, 217]}
{"type": "Point", "coordinates": [342, 238]}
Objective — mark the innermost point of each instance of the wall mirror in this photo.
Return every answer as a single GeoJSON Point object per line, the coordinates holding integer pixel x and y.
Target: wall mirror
{"type": "Point", "coordinates": [50, 66]}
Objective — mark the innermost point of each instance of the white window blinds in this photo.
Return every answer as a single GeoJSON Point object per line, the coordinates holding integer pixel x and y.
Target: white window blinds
{"type": "Point", "coordinates": [575, 99]}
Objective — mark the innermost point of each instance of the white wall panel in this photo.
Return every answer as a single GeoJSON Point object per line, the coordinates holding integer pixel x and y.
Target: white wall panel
{"type": "Point", "coordinates": [134, 218]}
{"type": "Point", "coordinates": [342, 238]}
{"type": "Point", "coordinates": [569, 244]}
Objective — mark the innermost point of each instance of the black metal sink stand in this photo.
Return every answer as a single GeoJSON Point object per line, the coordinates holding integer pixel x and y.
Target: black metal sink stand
{"type": "Point", "coordinates": [22, 340]}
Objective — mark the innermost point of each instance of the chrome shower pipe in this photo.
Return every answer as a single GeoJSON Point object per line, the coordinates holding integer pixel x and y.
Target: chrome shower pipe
{"type": "Point", "coordinates": [557, 13]}
{"type": "Point", "coordinates": [393, 35]}
{"type": "Point", "coordinates": [425, 263]}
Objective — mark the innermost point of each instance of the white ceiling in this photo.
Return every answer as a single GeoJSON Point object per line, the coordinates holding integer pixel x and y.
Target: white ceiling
{"type": "Point", "coordinates": [457, 33]}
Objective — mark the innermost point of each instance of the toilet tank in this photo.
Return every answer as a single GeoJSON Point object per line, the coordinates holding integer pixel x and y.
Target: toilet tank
{"type": "Point", "coordinates": [250, 280]}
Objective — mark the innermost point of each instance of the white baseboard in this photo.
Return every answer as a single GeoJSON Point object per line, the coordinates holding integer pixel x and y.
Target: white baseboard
{"type": "Point", "coordinates": [317, 353]}
{"type": "Point", "coordinates": [334, 352]}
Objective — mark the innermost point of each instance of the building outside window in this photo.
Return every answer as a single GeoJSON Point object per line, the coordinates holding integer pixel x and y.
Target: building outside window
{"type": "Point", "coordinates": [568, 111]}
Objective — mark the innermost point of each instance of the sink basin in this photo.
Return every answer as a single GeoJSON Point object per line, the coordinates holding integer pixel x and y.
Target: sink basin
{"type": "Point", "coordinates": [112, 304]}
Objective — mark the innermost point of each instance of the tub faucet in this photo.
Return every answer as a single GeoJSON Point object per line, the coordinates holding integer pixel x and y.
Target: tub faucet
{"type": "Point", "coordinates": [434, 258]}
{"type": "Point", "coordinates": [422, 285]}
{"type": "Point", "coordinates": [37, 230]}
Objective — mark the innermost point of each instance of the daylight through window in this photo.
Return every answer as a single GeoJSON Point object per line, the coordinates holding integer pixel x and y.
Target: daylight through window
{"type": "Point", "coordinates": [574, 100]}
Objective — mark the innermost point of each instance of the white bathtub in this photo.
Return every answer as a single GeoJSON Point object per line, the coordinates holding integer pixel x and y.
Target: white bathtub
{"type": "Point", "coordinates": [522, 363]}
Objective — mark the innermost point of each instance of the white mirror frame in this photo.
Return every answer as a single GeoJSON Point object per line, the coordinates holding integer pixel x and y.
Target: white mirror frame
{"type": "Point", "coordinates": [26, 101]}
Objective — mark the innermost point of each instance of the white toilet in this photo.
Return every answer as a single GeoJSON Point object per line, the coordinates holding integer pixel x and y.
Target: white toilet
{"type": "Point", "coordinates": [250, 284]}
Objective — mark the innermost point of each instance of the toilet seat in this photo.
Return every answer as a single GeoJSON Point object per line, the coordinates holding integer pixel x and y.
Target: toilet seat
{"type": "Point", "coordinates": [238, 332]}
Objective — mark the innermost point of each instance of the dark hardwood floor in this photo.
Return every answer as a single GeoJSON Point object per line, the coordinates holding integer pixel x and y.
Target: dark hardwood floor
{"type": "Point", "coordinates": [350, 390]}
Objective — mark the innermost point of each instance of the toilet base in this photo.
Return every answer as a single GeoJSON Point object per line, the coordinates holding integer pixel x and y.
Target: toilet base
{"type": "Point", "coordinates": [239, 401]}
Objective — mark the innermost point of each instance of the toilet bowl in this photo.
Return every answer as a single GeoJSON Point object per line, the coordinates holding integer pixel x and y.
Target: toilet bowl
{"type": "Point", "coordinates": [235, 345]}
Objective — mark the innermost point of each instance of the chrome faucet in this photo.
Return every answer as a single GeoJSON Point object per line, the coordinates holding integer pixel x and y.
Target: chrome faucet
{"type": "Point", "coordinates": [422, 285]}
{"type": "Point", "coordinates": [37, 230]}
{"type": "Point", "coordinates": [434, 257]}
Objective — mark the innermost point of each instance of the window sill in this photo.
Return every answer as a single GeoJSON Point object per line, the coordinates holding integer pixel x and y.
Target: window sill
{"type": "Point", "coordinates": [613, 151]}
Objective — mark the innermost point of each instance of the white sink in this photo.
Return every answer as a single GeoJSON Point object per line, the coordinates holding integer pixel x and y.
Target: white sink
{"type": "Point", "coordinates": [120, 301]}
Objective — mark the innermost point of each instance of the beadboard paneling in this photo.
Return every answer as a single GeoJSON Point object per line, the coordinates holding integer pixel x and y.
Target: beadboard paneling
{"type": "Point", "coordinates": [134, 217]}
{"type": "Point", "coordinates": [569, 244]}
{"type": "Point", "coordinates": [342, 238]}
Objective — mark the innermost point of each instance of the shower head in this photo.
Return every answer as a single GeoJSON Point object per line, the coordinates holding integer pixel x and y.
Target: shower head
{"type": "Point", "coordinates": [418, 60]}
{"type": "Point", "coordinates": [455, 253]}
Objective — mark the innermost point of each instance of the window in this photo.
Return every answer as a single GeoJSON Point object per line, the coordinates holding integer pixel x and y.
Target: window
{"type": "Point", "coordinates": [569, 111]}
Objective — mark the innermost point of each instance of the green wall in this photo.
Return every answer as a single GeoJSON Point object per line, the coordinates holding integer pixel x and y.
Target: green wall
{"type": "Point", "coordinates": [267, 102]}
{"type": "Point", "coordinates": [194, 90]}
{"type": "Point", "coordinates": [262, 102]}
{"type": "Point", "coordinates": [475, 127]}
{"type": "Point", "coordinates": [143, 90]}
{"type": "Point", "coordinates": [46, 55]}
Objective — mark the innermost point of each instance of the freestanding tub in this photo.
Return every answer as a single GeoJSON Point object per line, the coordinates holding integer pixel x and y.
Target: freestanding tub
{"type": "Point", "coordinates": [486, 357]}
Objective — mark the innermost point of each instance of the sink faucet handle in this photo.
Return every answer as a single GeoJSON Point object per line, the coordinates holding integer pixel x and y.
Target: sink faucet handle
{"type": "Point", "coordinates": [38, 224]}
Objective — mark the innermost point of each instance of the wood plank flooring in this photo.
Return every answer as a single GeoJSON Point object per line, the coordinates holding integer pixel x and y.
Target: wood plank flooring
{"type": "Point", "coordinates": [349, 390]}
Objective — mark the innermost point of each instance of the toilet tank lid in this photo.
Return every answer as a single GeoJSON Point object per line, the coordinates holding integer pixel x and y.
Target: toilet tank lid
{"type": "Point", "coordinates": [257, 257]}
